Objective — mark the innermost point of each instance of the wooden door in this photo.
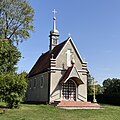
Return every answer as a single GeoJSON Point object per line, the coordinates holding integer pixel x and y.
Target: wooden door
{"type": "Point", "coordinates": [69, 90]}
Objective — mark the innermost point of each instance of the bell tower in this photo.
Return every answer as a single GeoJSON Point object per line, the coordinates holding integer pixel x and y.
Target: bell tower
{"type": "Point", "coordinates": [54, 33]}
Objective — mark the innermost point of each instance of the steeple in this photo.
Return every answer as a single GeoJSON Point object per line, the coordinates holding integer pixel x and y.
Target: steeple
{"type": "Point", "coordinates": [54, 33]}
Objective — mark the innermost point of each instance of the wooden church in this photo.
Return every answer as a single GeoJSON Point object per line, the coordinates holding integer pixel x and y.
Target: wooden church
{"type": "Point", "coordinates": [59, 75]}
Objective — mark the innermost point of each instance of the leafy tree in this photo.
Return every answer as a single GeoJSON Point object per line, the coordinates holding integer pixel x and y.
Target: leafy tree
{"type": "Point", "coordinates": [98, 89]}
{"type": "Point", "coordinates": [12, 88]}
{"type": "Point", "coordinates": [16, 20]}
{"type": "Point", "coordinates": [111, 86]}
{"type": "Point", "coordinates": [90, 86]}
{"type": "Point", "coordinates": [9, 56]}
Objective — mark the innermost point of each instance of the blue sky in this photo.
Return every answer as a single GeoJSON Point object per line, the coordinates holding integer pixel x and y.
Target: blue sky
{"type": "Point", "coordinates": [94, 26]}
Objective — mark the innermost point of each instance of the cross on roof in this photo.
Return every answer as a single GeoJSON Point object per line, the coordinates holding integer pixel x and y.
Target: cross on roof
{"type": "Point", "coordinates": [54, 12]}
{"type": "Point", "coordinates": [69, 34]}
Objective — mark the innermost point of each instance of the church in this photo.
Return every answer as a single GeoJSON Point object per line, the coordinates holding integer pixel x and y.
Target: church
{"type": "Point", "coordinates": [60, 74]}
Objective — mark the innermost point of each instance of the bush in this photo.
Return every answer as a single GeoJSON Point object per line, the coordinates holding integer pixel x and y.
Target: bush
{"type": "Point", "coordinates": [12, 88]}
{"type": "Point", "coordinates": [113, 99]}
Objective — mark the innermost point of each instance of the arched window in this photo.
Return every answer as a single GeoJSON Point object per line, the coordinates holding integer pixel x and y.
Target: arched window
{"type": "Point", "coordinates": [30, 84]}
{"type": "Point", "coordinates": [42, 81]}
{"type": "Point", "coordinates": [34, 82]}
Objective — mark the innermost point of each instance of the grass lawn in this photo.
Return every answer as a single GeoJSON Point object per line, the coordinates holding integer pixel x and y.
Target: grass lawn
{"type": "Point", "coordinates": [46, 112]}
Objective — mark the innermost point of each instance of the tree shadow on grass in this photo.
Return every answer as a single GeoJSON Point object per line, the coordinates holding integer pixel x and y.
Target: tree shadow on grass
{"type": "Point", "coordinates": [3, 109]}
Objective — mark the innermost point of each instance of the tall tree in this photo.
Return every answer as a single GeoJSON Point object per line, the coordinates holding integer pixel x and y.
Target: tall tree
{"type": "Point", "coordinates": [111, 85]}
{"type": "Point", "coordinates": [9, 56]}
{"type": "Point", "coordinates": [16, 20]}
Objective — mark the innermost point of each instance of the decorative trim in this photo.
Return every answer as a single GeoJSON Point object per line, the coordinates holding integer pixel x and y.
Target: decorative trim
{"type": "Point", "coordinates": [58, 69]}
{"type": "Point", "coordinates": [81, 70]}
{"type": "Point", "coordinates": [81, 96]}
{"type": "Point", "coordinates": [54, 95]}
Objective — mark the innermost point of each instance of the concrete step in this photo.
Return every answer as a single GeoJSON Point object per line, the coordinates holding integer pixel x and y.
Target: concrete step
{"type": "Point", "coordinates": [78, 104]}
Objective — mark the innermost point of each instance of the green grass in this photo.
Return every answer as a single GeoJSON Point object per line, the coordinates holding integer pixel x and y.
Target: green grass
{"type": "Point", "coordinates": [46, 112]}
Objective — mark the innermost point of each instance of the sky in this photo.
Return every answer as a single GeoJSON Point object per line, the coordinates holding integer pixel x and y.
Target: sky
{"type": "Point", "coordinates": [94, 26]}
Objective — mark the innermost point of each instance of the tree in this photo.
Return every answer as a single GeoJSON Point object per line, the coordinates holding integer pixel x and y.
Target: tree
{"type": "Point", "coordinates": [90, 86]}
{"type": "Point", "coordinates": [12, 88]}
{"type": "Point", "coordinates": [111, 86]}
{"type": "Point", "coordinates": [16, 20]}
{"type": "Point", "coordinates": [9, 56]}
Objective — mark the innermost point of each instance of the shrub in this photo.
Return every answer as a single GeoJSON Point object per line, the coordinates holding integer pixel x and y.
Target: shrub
{"type": "Point", "coordinates": [12, 88]}
{"type": "Point", "coordinates": [113, 99]}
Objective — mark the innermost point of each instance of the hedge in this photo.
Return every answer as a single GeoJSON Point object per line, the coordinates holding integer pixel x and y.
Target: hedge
{"type": "Point", "coordinates": [113, 99]}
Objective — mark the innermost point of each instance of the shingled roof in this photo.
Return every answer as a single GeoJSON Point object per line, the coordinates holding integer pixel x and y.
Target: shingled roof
{"type": "Point", "coordinates": [43, 63]}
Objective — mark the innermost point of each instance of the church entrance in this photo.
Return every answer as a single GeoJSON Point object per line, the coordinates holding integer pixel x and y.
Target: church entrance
{"type": "Point", "coordinates": [69, 90]}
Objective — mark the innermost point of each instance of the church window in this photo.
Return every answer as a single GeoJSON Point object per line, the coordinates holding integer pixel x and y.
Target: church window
{"type": "Point", "coordinates": [69, 57]}
{"type": "Point", "coordinates": [30, 85]}
{"type": "Point", "coordinates": [42, 81]}
{"type": "Point", "coordinates": [34, 82]}
{"type": "Point", "coordinates": [54, 41]}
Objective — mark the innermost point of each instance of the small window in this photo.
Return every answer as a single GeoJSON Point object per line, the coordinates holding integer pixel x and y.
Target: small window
{"type": "Point", "coordinates": [34, 82]}
{"type": "Point", "coordinates": [30, 85]}
{"type": "Point", "coordinates": [42, 81]}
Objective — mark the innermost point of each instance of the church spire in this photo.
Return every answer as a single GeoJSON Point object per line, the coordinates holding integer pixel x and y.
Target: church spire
{"type": "Point", "coordinates": [54, 34]}
{"type": "Point", "coordinates": [54, 22]}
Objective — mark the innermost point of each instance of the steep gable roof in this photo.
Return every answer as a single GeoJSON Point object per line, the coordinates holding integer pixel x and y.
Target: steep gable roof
{"type": "Point", "coordinates": [43, 63]}
{"type": "Point", "coordinates": [75, 48]}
